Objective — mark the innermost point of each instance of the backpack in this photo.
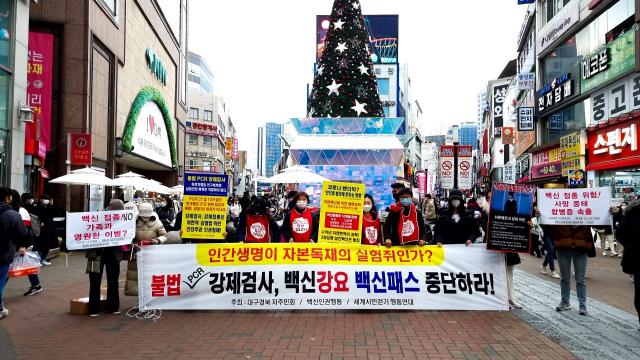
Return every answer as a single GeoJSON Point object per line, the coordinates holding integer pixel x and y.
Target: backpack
{"type": "Point", "coordinates": [34, 229]}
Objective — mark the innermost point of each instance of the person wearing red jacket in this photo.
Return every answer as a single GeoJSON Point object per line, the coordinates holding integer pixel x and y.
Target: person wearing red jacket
{"type": "Point", "coordinates": [404, 224]}
{"type": "Point", "coordinates": [300, 224]}
{"type": "Point", "coordinates": [257, 225]}
{"type": "Point", "coordinates": [371, 230]}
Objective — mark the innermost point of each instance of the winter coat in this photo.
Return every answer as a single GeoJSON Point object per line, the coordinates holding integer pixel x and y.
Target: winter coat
{"type": "Point", "coordinates": [13, 233]}
{"type": "Point", "coordinates": [429, 210]}
{"type": "Point", "coordinates": [153, 229]}
{"type": "Point", "coordinates": [448, 232]}
{"type": "Point", "coordinates": [48, 238]}
{"type": "Point", "coordinates": [392, 223]}
{"type": "Point", "coordinates": [629, 236]}
{"type": "Point", "coordinates": [166, 215]}
{"type": "Point", "coordinates": [569, 238]}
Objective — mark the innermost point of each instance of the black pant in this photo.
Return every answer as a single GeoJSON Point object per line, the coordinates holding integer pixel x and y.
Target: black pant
{"type": "Point", "coordinates": [535, 245]}
{"type": "Point", "coordinates": [636, 299]}
{"type": "Point", "coordinates": [113, 298]}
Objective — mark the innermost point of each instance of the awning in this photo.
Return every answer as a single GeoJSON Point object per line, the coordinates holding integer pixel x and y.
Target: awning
{"type": "Point", "coordinates": [549, 145]}
{"type": "Point", "coordinates": [44, 173]}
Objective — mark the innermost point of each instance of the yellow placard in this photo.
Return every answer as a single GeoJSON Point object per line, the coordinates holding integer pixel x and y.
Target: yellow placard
{"type": "Point", "coordinates": [342, 211]}
{"type": "Point", "coordinates": [316, 254]}
{"type": "Point", "coordinates": [204, 217]}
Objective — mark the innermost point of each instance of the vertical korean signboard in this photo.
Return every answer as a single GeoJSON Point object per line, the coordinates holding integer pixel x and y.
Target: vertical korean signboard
{"type": "Point", "coordinates": [228, 149]}
{"type": "Point", "coordinates": [572, 152]}
{"type": "Point", "coordinates": [446, 166]}
{"type": "Point", "coordinates": [465, 171]}
{"type": "Point", "coordinates": [342, 209]}
{"type": "Point", "coordinates": [204, 211]}
{"type": "Point", "coordinates": [235, 149]}
{"type": "Point", "coordinates": [499, 94]}
{"type": "Point", "coordinates": [39, 75]}
{"type": "Point", "coordinates": [80, 149]}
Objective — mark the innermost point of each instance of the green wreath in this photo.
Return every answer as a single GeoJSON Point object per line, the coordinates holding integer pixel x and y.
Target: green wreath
{"type": "Point", "coordinates": [149, 93]}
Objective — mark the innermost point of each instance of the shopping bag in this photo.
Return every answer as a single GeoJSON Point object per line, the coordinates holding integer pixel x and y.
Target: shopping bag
{"type": "Point", "coordinates": [26, 264]}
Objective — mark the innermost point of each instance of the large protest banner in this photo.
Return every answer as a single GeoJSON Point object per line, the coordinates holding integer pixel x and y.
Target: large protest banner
{"type": "Point", "coordinates": [508, 228]}
{"type": "Point", "coordinates": [341, 217]}
{"type": "Point", "coordinates": [88, 230]}
{"type": "Point", "coordinates": [575, 206]}
{"type": "Point", "coordinates": [204, 211]}
{"type": "Point", "coordinates": [320, 276]}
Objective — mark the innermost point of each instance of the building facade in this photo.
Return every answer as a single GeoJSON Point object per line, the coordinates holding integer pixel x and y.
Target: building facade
{"type": "Point", "coordinates": [469, 134]}
{"type": "Point", "coordinates": [206, 138]}
{"type": "Point", "coordinates": [200, 76]}
{"type": "Point", "coordinates": [273, 148]}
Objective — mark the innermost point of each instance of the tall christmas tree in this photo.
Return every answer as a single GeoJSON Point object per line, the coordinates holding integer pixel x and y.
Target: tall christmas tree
{"type": "Point", "coordinates": [345, 83]}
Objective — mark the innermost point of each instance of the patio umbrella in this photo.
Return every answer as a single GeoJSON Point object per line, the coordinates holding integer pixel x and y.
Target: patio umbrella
{"type": "Point", "coordinates": [84, 176]}
{"type": "Point", "coordinates": [160, 189]}
{"type": "Point", "coordinates": [296, 175]}
{"type": "Point", "coordinates": [137, 181]}
{"type": "Point", "coordinates": [178, 189]}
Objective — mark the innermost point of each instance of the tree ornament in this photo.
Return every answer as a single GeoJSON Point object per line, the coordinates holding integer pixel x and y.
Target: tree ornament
{"type": "Point", "coordinates": [341, 47]}
{"type": "Point", "coordinates": [356, 5]}
{"type": "Point", "coordinates": [338, 24]}
{"type": "Point", "coordinates": [320, 70]}
{"type": "Point", "coordinates": [359, 108]}
{"type": "Point", "coordinates": [333, 88]}
{"type": "Point", "coordinates": [363, 69]}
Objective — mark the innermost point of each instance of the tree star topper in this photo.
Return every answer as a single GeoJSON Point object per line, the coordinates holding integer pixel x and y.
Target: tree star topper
{"type": "Point", "coordinates": [341, 47]}
{"type": "Point", "coordinates": [333, 88]}
{"type": "Point", "coordinates": [338, 24]}
{"type": "Point", "coordinates": [359, 108]}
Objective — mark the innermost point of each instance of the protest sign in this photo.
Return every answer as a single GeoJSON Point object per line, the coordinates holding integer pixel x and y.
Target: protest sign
{"type": "Point", "coordinates": [204, 211]}
{"type": "Point", "coordinates": [320, 276]}
{"type": "Point", "coordinates": [341, 217]}
{"type": "Point", "coordinates": [88, 230]}
{"type": "Point", "coordinates": [508, 229]}
{"type": "Point", "coordinates": [575, 206]}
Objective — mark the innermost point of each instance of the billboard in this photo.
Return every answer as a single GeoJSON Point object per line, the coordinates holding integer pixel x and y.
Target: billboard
{"type": "Point", "coordinates": [382, 31]}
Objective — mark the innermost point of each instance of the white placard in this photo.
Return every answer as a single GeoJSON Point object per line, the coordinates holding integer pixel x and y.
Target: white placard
{"type": "Point", "coordinates": [318, 276]}
{"type": "Point", "coordinates": [465, 167]}
{"type": "Point", "coordinates": [447, 169]}
{"type": "Point", "coordinates": [487, 158]}
{"type": "Point", "coordinates": [575, 206]}
{"type": "Point", "coordinates": [87, 230]}
{"type": "Point", "coordinates": [150, 138]}
{"type": "Point", "coordinates": [526, 81]}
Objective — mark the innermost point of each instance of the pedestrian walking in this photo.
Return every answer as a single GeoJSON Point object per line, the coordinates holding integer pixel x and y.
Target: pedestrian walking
{"type": "Point", "coordinates": [48, 239]}
{"type": "Point", "coordinates": [473, 205]}
{"type": "Point", "coordinates": [455, 225]}
{"type": "Point", "coordinates": [548, 234]}
{"type": "Point", "coordinates": [606, 236]}
{"type": "Point", "coordinates": [99, 260]}
{"type": "Point", "coordinates": [166, 212]}
{"type": "Point", "coordinates": [258, 225]}
{"type": "Point", "coordinates": [618, 217]}
{"type": "Point", "coordinates": [300, 224]}
{"type": "Point", "coordinates": [628, 234]}
{"type": "Point", "coordinates": [536, 233]}
{"type": "Point", "coordinates": [404, 224]}
{"type": "Point", "coordinates": [429, 210]}
{"type": "Point", "coordinates": [371, 230]}
{"type": "Point", "coordinates": [16, 204]}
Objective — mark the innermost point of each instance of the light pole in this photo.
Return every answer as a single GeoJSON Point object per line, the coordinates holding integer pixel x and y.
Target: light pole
{"type": "Point", "coordinates": [456, 142]}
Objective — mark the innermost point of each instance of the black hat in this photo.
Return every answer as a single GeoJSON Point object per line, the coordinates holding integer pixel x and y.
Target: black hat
{"type": "Point", "coordinates": [397, 185]}
{"type": "Point", "coordinates": [455, 194]}
{"type": "Point", "coordinates": [510, 193]}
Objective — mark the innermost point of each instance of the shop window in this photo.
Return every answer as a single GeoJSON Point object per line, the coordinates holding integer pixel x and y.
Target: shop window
{"type": "Point", "coordinates": [193, 139]}
{"type": "Point", "coordinates": [6, 26]}
{"type": "Point", "coordinates": [193, 113]}
{"type": "Point", "coordinates": [4, 91]}
{"type": "Point", "coordinates": [207, 140]}
{"type": "Point", "coordinates": [383, 86]}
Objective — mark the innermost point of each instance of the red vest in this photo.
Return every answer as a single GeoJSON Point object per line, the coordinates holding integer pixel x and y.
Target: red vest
{"type": "Point", "coordinates": [408, 227]}
{"type": "Point", "coordinates": [301, 225]}
{"type": "Point", "coordinates": [370, 231]}
{"type": "Point", "coordinates": [257, 229]}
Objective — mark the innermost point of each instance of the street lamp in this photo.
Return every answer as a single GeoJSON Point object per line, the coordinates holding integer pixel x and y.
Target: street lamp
{"type": "Point", "coordinates": [456, 142]}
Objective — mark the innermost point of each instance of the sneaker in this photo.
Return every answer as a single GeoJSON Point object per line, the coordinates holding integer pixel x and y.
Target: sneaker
{"type": "Point", "coordinates": [614, 254]}
{"type": "Point", "coordinates": [515, 304]}
{"type": "Point", "coordinates": [555, 275]}
{"type": "Point", "coordinates": [33, 290]}
{"type": "Point", "coordinates": [45, 263]}
{"type": "Point", "coordinates": [563, 307]}
{"type": "Point", "coordinates": [117, 312]}
{"type": "Point", "coordinates": [4, 312]}
{"type": "Point", "coordinates": [583, 312]}
{"type": "Point", "coordinates": [543, 269]}
{"type": "Point", "coordinates": [94, 315]}
{"type": "Point", "coordinates": [604, 253]}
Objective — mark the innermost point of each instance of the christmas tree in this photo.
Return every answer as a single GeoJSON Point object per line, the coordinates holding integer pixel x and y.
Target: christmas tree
{"type": "Point", "coordinates": [345, 84]}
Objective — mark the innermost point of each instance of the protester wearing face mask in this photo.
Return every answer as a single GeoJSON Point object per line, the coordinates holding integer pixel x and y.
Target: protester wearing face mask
{"type": "Point", "coordinates": [371, 230]}
{"type": "Point", "coordinates": [618, 218]}
{"type": "Point", "coordinates": [258, 225]}
{"type": "Point", "coordinates": [48, 239]}
{"type": "Point", "coordinates": [404, 224]}
{"type": "Point", "coordinates": [455, 225]}
{"type": "Point", "coordinates": [300, 224]}
{"type": "Point", "coordinates": [166, 213]}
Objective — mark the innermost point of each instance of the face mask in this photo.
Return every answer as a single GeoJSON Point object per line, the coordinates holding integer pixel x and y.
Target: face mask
{"type": "Point", "coordinates": [405, 201]}
{"type": "Point", "coordinates": [623, 207]}
{"type": "Point", "coordinates": [301, 205]}
{"type": "Point", "coordinates": [455, 203]}
{"type": "Point", "coordinates": [45, 202]}
{"type": "Point", "coordinates": [535, 208]}
{"type": "Point", "coordinates": [31, 201]}
{"type": "Point", "coordinates": [145, 218]}
{"type": "Point", "coordinates": [367, 208]}
{"type": "Point", "coordinates": [160, 204]}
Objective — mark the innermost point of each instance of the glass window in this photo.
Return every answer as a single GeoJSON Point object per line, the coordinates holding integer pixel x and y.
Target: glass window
{"type": "Point", "coordinates": [111, 5]}
{"type": "Point", "coordinates": [208, 115]}
{"type": "Point", "coordinates": [6, 16]}
{"type": "Point", "coordinates": [383, 86]}
{"type": "Point", "coordinates": [386, 111]}
{"type": "Point", "coordinates": [171, 12]}
{"type": "Point", "coordinates": [207, 140]}
{"type": "Point", "coordinates": [193, 113]}
{"type": "Point", "coordinates": [4, 157]}
{"type": "Point", "coordinates": [193, 139]}
{"type": "Point", "coordinates": [4, 92]}
{"type": "Point", "coordinates": [567, 121]}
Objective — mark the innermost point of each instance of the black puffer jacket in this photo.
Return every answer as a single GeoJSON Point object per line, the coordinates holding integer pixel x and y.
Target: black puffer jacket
{"type": "Point", "coordinates": [13, 233]}
{"type": "Point", "coordinates": [448, 232]}
{"type": "Point", "coordinates": [629, 237]}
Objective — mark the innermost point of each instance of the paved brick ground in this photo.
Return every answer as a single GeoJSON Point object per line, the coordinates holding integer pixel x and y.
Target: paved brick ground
{"type": "Point", "coordinates": [41, 327]}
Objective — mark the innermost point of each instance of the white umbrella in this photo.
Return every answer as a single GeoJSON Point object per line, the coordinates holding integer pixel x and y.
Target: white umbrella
{"type": "Point", "coordinates": [130, 174]}
{"type": "Point", "coordinates": [137, 182]}
{"type": "Point", "coordinates": [160, 189]}
{"type": "Point", "coordinates": [178, 189]}
{"type": "Point", "coordinates": [296, 175]}
{"type": "Point", "coordinates": [84, 176]}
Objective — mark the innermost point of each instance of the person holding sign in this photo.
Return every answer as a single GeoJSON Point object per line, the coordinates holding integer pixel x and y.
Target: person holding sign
{"type": "Point", "coordinates": [455, 225]}
{"type": "Point", "coordinates": [371, 231]}
{"type": "Point", "coordinates": [404, 224]}
{"type": "Point", "coordinates": [299, 224]}
{"type": "Point", "coordinates": [257, 225]}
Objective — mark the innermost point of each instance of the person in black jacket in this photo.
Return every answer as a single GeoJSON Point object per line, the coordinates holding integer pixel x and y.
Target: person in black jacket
{"type": "Point", "coordinates": [13, 233]}
{"type": "Point", "coordinates": [48, 239]}
{"type": "Point", "coordinates": [404, 215]}
{"type": "Point", "coordinates": [166, 213]}
{"type": "Point", "coordinates": [511, 206]}
{"type": "Point", "coordinates": [258, 216]}
{"type": "Point", "coordinates": [629, 236]}
{"type": "Point", "coordinates": [455, 225]}
{"type": "Point", "coordinates": [618, 217]}
{"type": "Point", "coordinates": [245, 202]}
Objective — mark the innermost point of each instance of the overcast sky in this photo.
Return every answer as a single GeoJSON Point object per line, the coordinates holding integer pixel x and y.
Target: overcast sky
{"type": "Point", "coordinates": [262, 54]}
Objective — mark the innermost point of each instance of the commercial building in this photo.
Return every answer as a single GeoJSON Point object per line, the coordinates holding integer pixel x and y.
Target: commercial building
{"type": "Point", "coordinates": [206, 133]}
{"type": "Point", "coordinates": [273, 148]}
{"type": "Point", "coordinates": [200, 76]}
{"type": "Point", "coordinates": [483, 105]}
{"type": "Point", "coordinates": [469, 134]}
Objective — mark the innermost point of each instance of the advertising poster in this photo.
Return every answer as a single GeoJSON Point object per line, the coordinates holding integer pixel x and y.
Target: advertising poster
{"type": "Point", "coordinates": [320, 276]}
{"type": "Point", "coordinates": [39, 90]}
{"type": "Point", "coordinates": [204, 210]}
{"type": "Point", "coordinates": [511, 207]}
{"type": "Point", "coordinates": [507, 135]}
{"type": "Point", "coordinates": [422, 182]}
{"type": "Point", "coordinates": [88, 230]}
{"type": "Point", "coordinates": [431, 183]}
{"type": "Point", "coordinates": [465, 167]}
{"type": "Point", "coordinates": [547, 163]}
{"type": "Point", "coordinates": [341, 216]}
{"type": "Point", "coordinates": [575, 206]}
{"type": "Point", "coordinates": [446, 166]}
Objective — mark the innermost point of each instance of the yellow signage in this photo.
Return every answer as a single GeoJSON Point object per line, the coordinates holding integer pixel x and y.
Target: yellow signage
{"type": "Point", "coordinates": [228, 149]}
{"type": "Point", "coordinates": [572, 152]}
{"type": "Point", "coordinates": [204, 217]}
{"type": "Point", "coordinates": [342, 211]}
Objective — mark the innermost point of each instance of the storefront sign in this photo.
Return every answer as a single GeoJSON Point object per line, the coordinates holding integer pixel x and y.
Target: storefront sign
{"type": "Point", "coordinates": [616, 58]}
{"type": "Point", "coordinates": [565, 22]}
{"type": "Point", "coordinates": [511, 208]}
{"type": "Point", "coordinates": [465, 167]}
{"type": "Point", "coordinates": [320, 276]}
{"type": "Point", "coordinates": [203, 127]}
{"type": "Point", "coordinates": [556, 122]}
{"type": "Point", "coordinates": [555, 93]}
{"type": "Point", "coordinates": [616, 99]}
{"type": "Point", "coordinates": [422, 182]}
{"type": "Point", "coordinates": [80, 149]}
{"type": "Point", "coordinates": [487, 158]}
{"type": "Point", "coordinates": [235, 149]}
{"type": "Point", "coordinates": [150, 138]}
{"type": "Point", "coordinates": [574, 206]}
{"type": "Point", "coordinates": [572, 152]}
{"type": "Point", "coordinates": [39, 75]}
{"type": "Point", "coordinates": [507, 135]}
{"type": "Point", "coordinates": [526, 81]}
{"type": "Point", "coordinates": [546, 163]}
{"type": "Point", "coordinates": [89, 230]}
{"type": "Point", "coordinates": [446, 166]}
{"type": "Point", "coordinates": [525, 119]}
{"type": "Point", "coordinates": [486, 180]}
{"type": "Point", "coordinates": [509, 174]}
{"type": "Point", "coordinates": [155, 65]}
{"type": "Point", "coordinates": [617, 142]}
{"type": "Point", "coordinates": [341, 216]}
{"type": "Point", "coordinates": [576, 177]}
{"type": "Point", "coordinates": [523, 141]}
{"type": "Point", "coordinates": [228, 149]}
{"type": "Point", "coordinates": [205, 206]}
{"type": "Point", "coordinates": [499, 94]}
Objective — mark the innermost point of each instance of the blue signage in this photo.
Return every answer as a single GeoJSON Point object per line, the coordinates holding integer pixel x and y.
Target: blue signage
{"type": "Point", "coordinates": [203, 184]}
{"type": "Point", "coordinates": [526, 2]}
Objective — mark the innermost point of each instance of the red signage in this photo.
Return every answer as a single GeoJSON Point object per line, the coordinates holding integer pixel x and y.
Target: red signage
{"type": "Point", "coordinates": [39, 75]}
{"type": "Point", "coordinates": [547, 163]}
{"type": "Point", "coordinates": [235, 149]}
{"type": "Point", "coordinates": [80, 149]}
{"type": "Point", "coordinates": [614, 146]}
{"type": "Point", "coordinates": [205, 127]}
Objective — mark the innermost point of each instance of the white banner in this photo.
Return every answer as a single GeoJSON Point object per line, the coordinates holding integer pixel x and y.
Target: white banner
{"type": "Point", "coordinates": [87, 230]}
{"type": "Point", "coordinates": [320, 276]}
{"type": "Point", "coordinates": [447, 159]}
{"type": "Point", "coordinates": [575, 206]}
